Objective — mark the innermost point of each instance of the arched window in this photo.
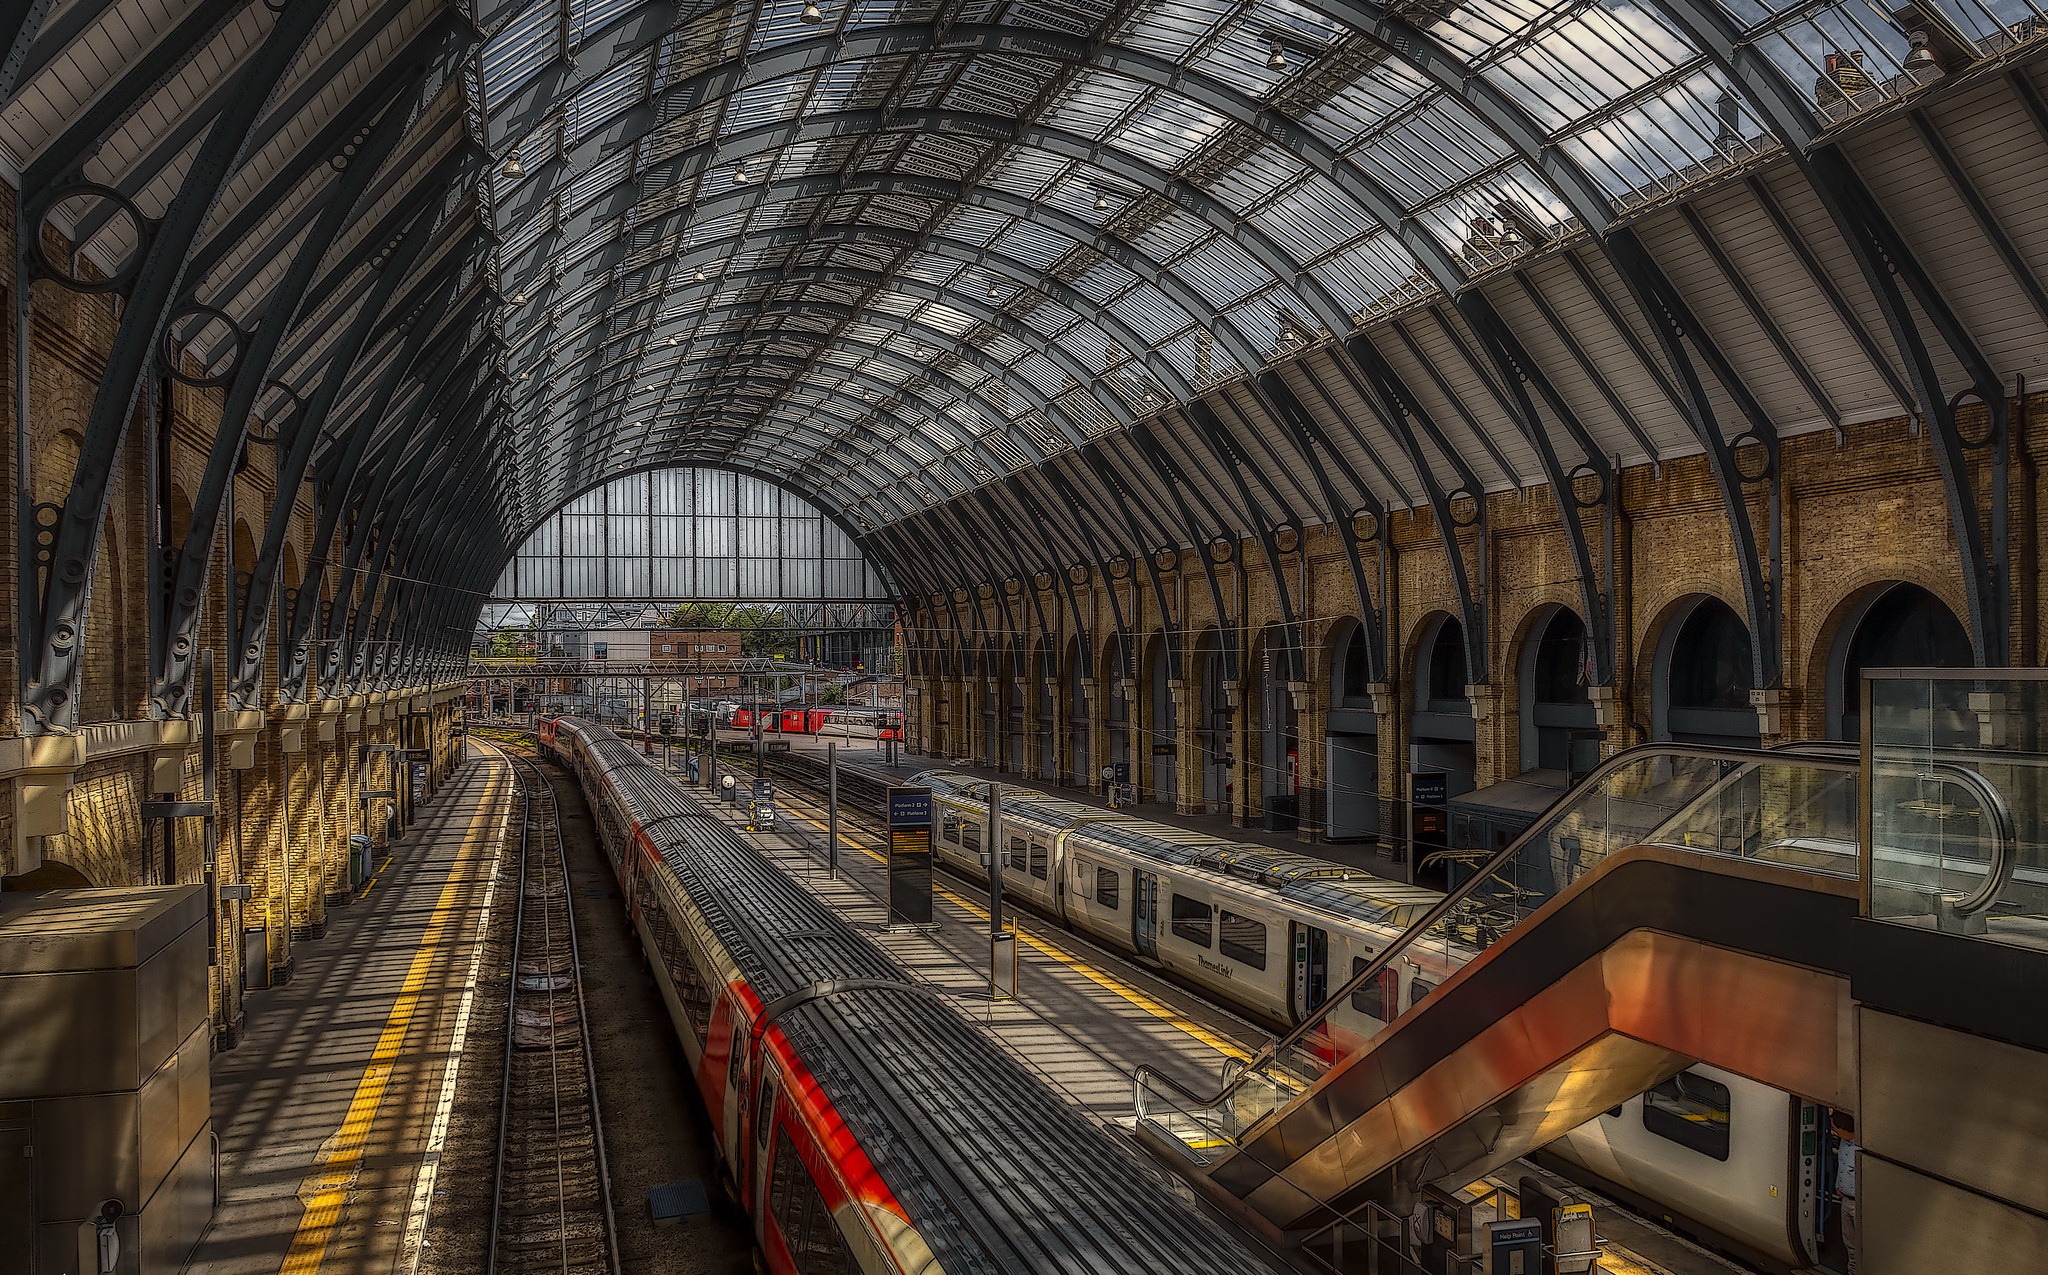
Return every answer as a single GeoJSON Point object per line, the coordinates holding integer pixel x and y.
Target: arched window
{"type": "Point", "coordinates": [1559, 729]}
{"type": "Point", "coordinates": [1703, 676]}
{"type": "Point", "coordinates": [1898, 626]}
{"type": "Point", "coordinates": [1447, 664]}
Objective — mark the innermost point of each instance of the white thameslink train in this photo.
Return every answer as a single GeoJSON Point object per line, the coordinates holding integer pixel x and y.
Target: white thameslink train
{"type": "Point", "coordinates": [1268, 932]}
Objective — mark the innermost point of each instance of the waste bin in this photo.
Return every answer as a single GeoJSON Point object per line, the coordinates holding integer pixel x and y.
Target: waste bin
{"type": "Point", "coordinates": [359, 849]}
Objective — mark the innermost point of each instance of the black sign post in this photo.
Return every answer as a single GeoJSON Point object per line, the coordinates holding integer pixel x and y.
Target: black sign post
{"type": "Point", "coordinates": [910, 856]}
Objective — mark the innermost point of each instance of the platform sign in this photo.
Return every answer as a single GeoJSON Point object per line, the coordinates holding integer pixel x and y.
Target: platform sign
{"type": "Point", "coordinates": [910, 856]}
{"type": "Point", "coordinates": [1514, 1247]}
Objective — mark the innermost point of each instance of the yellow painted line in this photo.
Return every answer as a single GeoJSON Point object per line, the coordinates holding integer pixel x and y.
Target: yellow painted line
{"type": "Point", "coordinates": [1102, 978]}
{"type": "Point", "coordinates": [372, 882]}
{"type": "Point", "coordinates": [335, 1168]}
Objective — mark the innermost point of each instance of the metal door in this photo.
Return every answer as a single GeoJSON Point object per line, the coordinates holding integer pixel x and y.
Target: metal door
{"type": "Point", "coordinates": [1311, 969]}
{"type": "Point", "coordinates": [17, 1203]}
{"type": "Point", "coordinates": [1145, 912]}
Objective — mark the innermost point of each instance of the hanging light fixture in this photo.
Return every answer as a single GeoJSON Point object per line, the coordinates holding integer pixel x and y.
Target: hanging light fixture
{"type": "Point", "coordinates": [513, 169]}
{"type": "Point", "coordinates": [993, 293]}
{"type": "Point", "coordinates": [739, 174]}
{"type": "Point", "coordinates": [1101, 201]}
{"type": "Point", "coordinates": [1276, 58]}
{"type": "Point", "coordinates": [1921, 58]}
{"type": "Point", "coordinates": [812, 16]}
{"type": "Point", "coordinates": [700, 274]}
{"type": "Point", "coordinates": [519, 298]}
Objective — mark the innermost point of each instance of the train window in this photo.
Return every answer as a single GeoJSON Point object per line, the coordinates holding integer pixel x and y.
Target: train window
{"type": "Point", "coordinates": [764, 1112]}
{"type": "Point", "coordinates": [1108, 886]}
{"type": "Point", "coordinates": [1692, 1111]}
{"type": "Point", "coordinates": [1191, 920]}
{"type": "Point", "coordinates": [1375, 997]}
{"type": "Point", "coordinates": [949, 827]}
{"type": "Point", "coordinates": [735, 1067]}
{"type": "Point", "coordinates": [1242, 940]}
{"type": "Point", "coordinates": [970, 837]}
{"type": "Point", "coordinates": [1016, 854]}
{"type": "Point", "coordinates": [1038, 858]}
{"type": "Point", "coordinates": [1417, 989]}
{"type": "Point", "coordinates": [808, 1231]}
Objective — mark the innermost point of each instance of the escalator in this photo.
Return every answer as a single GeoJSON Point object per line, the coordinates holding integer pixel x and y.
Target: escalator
{"type": "Point", "coordinates": [1682, 906]}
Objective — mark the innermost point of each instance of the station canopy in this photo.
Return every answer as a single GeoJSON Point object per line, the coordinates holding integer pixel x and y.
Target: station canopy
{"type": "Point", "coordinates": [887, 253]}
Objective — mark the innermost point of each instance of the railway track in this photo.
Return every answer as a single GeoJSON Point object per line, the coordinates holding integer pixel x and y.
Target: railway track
{"type": "Point", "coordinates": [551, 1206]}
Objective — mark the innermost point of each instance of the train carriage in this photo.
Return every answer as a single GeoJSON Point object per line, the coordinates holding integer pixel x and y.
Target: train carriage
{"type": "Point", "coordinates": [1270, 933]}
{"type": "Point", "coordinates": [813, 1052]}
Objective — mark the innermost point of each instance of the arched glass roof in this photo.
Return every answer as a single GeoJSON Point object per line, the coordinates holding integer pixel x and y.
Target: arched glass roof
{"type": "Point", "coordinates": [471, 259]}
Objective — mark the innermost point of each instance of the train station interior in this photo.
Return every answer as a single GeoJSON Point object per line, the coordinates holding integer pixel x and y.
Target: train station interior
{"type": "Point", "coordinates": [891, 636]}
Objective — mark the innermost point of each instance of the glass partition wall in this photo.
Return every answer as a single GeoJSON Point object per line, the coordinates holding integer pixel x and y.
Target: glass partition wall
{"type": "Point", "coordinates": [1953, 834]}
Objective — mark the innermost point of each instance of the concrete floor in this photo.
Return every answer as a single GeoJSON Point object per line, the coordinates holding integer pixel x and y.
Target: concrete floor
{"type": "Point", "coordinates": [330, 1108]}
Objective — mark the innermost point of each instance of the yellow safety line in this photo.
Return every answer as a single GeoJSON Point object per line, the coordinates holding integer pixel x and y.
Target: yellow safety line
{"type": "Point", "coordinates": [1101, 978]}
{"type": "Point", "coordinates": [334, 1169]}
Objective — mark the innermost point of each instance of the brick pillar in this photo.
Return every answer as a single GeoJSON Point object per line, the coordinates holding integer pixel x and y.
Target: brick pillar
{"type": "Point", "coordinates": [1392, 742]}
{"type": "Point", "coordinates": [1241, 770]}
{"type": "Point", "coordinates": [1094, 688]}
{"type": "Point", "coordinates": [1497, 747]}
{"type": "Point", "coordinates": [1187, 754]}
{"type": "Point", "coordinates": [1312, 730]}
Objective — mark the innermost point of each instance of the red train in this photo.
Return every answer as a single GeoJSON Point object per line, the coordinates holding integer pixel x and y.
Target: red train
{"type": "Point", "coordinates": [865, 1123]}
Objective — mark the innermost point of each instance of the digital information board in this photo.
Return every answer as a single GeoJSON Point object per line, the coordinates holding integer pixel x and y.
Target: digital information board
{"type": "Point", "coordinates": [910, 856]}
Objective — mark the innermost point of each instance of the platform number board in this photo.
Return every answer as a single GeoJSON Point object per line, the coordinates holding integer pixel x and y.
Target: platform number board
{"type": "Point", "coordinates": [910, 856]}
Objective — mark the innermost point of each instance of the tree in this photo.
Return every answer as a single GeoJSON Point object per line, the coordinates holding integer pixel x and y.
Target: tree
{"type": "Point", "coordinates": [764, 631]}
{"type": "Point", "coordinates": [702, 615]}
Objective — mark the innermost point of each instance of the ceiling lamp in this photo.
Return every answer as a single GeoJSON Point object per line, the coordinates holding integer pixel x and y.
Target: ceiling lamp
{"type": "Point", "coordinates": [1921, 59]}
{"type": "Point", "coordinates": [811, 15]}
{"type": "Point", "coordinates": [1276, 58]}
{"type": "Point", "coordinates": [700, 274]}
{"type": "Point", "coordinates": [994, 294]}
{"type": "Point", "coordinates": [1150, 398]}
{"type": "Point", "coordinates": [1101, 202]}
{"type": "Point", "coordinates": [519, 298]}
{"type": "Point", "coordinates": [739, 174]}
{"type": "Point", "coordinates": [513, 169]}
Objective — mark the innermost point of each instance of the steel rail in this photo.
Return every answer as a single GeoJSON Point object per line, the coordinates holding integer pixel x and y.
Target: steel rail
{"type": "Point", "coordinates": [538, 813]}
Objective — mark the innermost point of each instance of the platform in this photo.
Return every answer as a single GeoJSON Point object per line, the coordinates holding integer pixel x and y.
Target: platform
{"type": "Point", "coordinates": [331, 1110]}
{"type": "Point", "coordinates": [1380, 859]}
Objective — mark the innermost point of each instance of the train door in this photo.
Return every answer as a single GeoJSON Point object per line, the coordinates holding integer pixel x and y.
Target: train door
{"type": "Point", "coordinates": [1311, 969]}
{"type": "Point", "coordinates": [1145, 912]}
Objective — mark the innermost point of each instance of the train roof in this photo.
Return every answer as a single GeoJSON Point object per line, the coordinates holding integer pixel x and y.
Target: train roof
{"type": "Point", "coordinates": [1314, 882]}
{"type": "Point", "coordinates": [998, 1173]}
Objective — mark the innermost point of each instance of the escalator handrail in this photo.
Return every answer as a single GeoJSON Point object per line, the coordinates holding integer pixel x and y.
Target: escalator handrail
{"type": "Point", "coordinates": [2005, 833]}
{"type": "Point", "coordinates": [1421, 926]}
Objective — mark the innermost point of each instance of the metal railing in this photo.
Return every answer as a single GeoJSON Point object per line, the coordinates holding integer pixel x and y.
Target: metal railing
{"type": "Point", "coordinates": [1798, 808]}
